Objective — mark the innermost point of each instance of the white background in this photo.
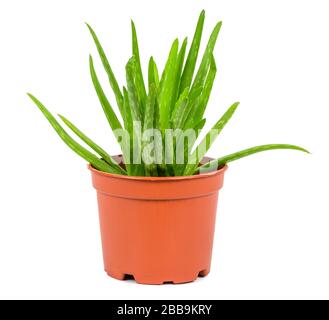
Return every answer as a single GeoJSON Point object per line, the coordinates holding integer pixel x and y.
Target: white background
{"type": "Point", "coordinates": [272, 233]}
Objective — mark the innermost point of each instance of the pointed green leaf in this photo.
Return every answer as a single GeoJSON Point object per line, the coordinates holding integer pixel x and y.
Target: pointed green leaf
{"type": "Point", "coordinates": [217, 163]}
{"type": "Point", "coordinates": [107, 108]}
{"type": "Point", "coordinates": [128, 122]}
{"type": "Point", "coordinates": [208, 140]}
{"type": "Point", "coordinates": [179, 111]}
{"type": "Point", "coordinates": [192, 103]}
{"type": "Point", "coordinates": [167, 87]}
{"type": "Point", "coordinates": [204, 97]}
{"type": "Point", "coordinates": [156, 74]}
{"type": "Point", "coordinates": [179, 168]}
{"type": "Point", "coordinates": [150, 166]}
{"type": "Point", "coordinates": [108, 69]}
{"type": "Point", "coordinates": [199, 126]}
{"type": "Point", "coordinates": [159, 146]}
{"type": "Point", "coordinates": [139, 81]}
{"type": "Point", "coordinates": [137, 115]}
{"type": "Point", "coordinates": [149, 111]}
{"type": "Point", "coordinates": [179, 68]}
{"type": "Point", "coordinates": [206, 59]}
{"type": "Point", "coordinates": [71, 143]}
{"type": "Point", "coordinates": [127, 151]}
{"type": "Point", "coordinates": [192, 55]}
{"type": "Point", "coordinates": [93, 145]}
{"type": "Point", "coordinates": [135, 105]}
{"type": "Point", "coordinates": [153, 77]}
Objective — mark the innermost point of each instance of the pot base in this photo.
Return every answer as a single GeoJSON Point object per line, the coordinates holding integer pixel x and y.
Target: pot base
{"type": "Point", "coordinates": [154, 280]}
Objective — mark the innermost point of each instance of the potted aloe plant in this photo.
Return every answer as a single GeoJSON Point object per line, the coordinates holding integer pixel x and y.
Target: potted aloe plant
{"type": "Point", "coordinates": [157, 201]}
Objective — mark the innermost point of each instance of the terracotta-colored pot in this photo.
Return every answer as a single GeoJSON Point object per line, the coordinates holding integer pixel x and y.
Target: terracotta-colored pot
{"type": "Point", "coordinates": [157, 229]}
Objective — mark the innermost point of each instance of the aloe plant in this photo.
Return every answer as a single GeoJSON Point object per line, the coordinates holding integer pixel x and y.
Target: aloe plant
{"type": "Point", "coordinates": [156, 116]}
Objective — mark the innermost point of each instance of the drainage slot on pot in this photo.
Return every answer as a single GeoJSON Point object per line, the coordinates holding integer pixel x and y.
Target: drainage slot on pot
{"type": "Point", "coordinates": [168, 282]}
{"type": "Point", "coordinates": [202, 273]}
{"type": "Point", "coordinates": [128, 277]}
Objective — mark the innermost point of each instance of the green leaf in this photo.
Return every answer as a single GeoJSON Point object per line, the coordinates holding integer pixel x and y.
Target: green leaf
{"type": "Point", "coordinates": [206, 71]}
{"type": "Point", "coordinates": [159, 146]}
{"type": "Point", "coordinates": [107, 108]}
{"type": "Point", "coordinates": [194, 98]}
{"type": "Point", "coordinates": [215, 164]}
{"type": "Point", "coordinates": [167, 87]}
{"type": "Point", "coordinates": [128, 122]}
{"type": "Point", "coordinates": [139, 81]}
{"type": "Point", "coordinates": [93, 145]}
{"type": "Point", "coordinates": [77, 148]}
{"type": "Point", "coordinates": [199, 126]}
{"type": "Point", "coordinates": [156, 74]}
{"type": "Point", "coordinates": [192, 55]}
{"type": "Point", "coordinates": [208, 85]}
{"type": "Point", "coordinates": [149, 111]}
{"type": "Point", "coordinates": [179, 168]}
{"type": "Point", "coordinates": [127, 151]}
{"type": "Point", "coordinates": [153, 76]}
{"type": "Point", "coordinates": [150, 118]}
{"type": "Point", "coordinates": [207, 141]}
{"type": "Point", "coordinates": [137, 115]}
{"type": "Point", "coordinates": [150, 166]}
{"type": "Point", "coordinates": [136, 110]}
{"type": "Point", "coordinates": [108, 69]}
{"type": "Point", "coordinates": [179, 111]}
{"type": "Point", "coordinates": [206, 59]}
{"type": "Point", "coordinates": [179, 68]}
{"type": "Point", "coordinates": [204, 97]}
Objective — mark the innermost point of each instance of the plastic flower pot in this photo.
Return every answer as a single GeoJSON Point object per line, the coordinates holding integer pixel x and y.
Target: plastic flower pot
{"type": "Point", "coordinates": [157, 229]}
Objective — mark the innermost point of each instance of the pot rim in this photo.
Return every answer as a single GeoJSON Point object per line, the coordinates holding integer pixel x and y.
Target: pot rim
{"type": "Point", "coordinates": [159, 179]}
